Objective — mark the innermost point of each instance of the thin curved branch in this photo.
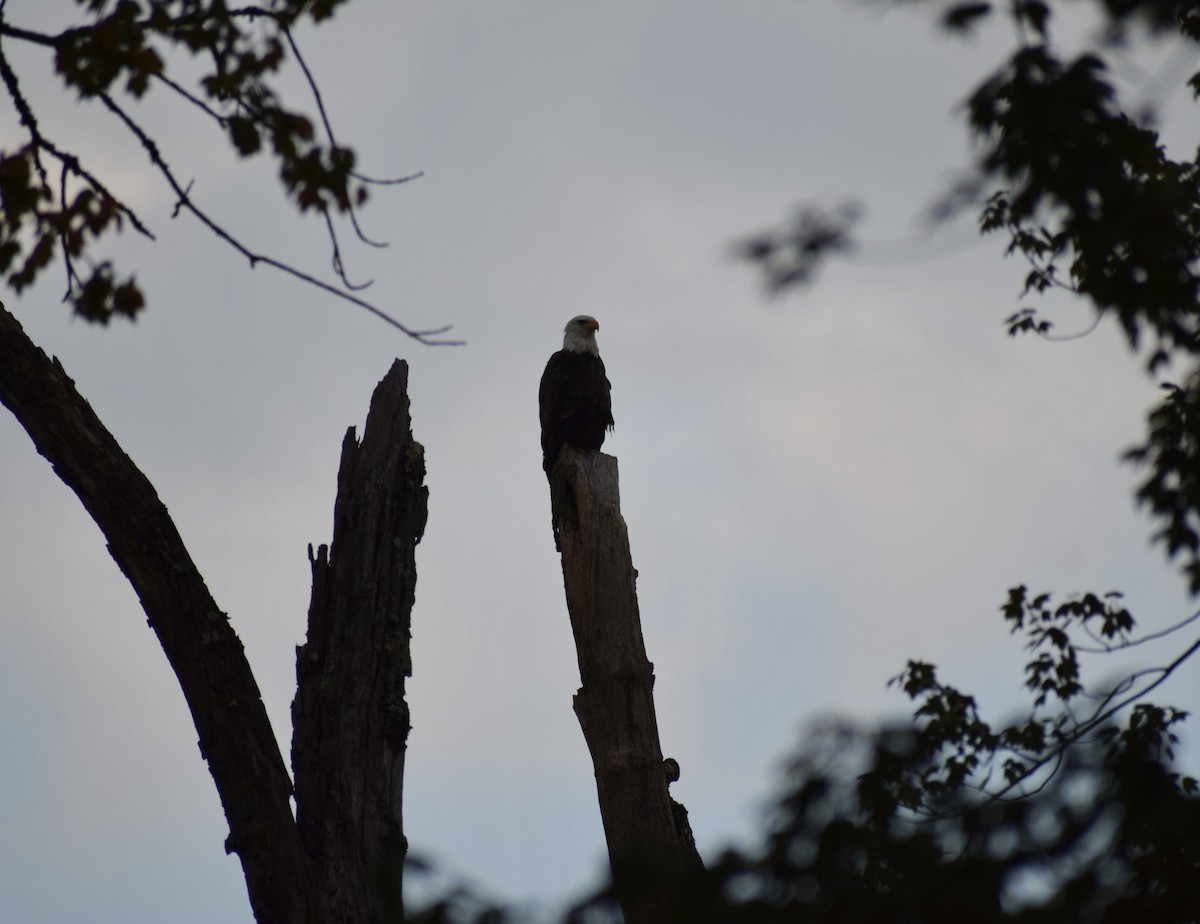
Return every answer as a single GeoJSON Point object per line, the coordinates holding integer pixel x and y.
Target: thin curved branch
{"type": "Point", "coordinates": [24, 113]}
{"type": "Point", "coordinates": [338, 266]}
{"type": "Point", "coordinates": [315, 89]}
{"type": "Point", "coordinates": [1002, 796]}
{"type": "Point", "coordinates": [1153, 636]}
{"type": "Point", "coordinates": [376, 181]}
{"type": "Point", "coordinates": [360, 234]}
{"type": "Point", "coordinates": [1119, 689]}
{"type": "Point", "coordinates": [1077, 335]}
{"type": "Point", "coordinates": [72, 278]}
{"type": "Point", "coordinates": [1103, 646]}
{"type": "Point", "coordinates": [191, 98]}
{"type": "Point", "coordinates": [312, 84]}
{"type": "Point", "coordinates": [321, 111]}
{"type": "Point", "coordinates": [393, 181]}
{"type": "Point", "coordinates": [429, 336]}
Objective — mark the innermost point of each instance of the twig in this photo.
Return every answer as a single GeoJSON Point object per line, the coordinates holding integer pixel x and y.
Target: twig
{"type": "Point", "coordinates": [25, 113]}
{"type": "Point", "coordinates": [321, 111]}
{"type": "Point", "coordinates": [63, 235]}
{"type": "Point", "coordinates": [394, 181]}
{"type": "Point", "coordinates": [192, 98]}
{"type": "Point", "coordinates": [338, 266]}
{"type": "Point", "coordinates": [1131, 643]}
{"type": "Point", "coordinates": [314, 88]}
{"type": "Point", "coordinates": [1046, 335]}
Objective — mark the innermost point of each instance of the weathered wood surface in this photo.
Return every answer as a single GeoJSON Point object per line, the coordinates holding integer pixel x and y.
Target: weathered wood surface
{"type": "Point", "coordinates": [615, 703]}
{"type": "Point", "coordinates": [350, 717]}
{"type": "Point", "coordinates": [204, 652]}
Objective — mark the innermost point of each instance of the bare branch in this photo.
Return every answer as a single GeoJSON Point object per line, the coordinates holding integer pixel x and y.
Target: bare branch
{"type": "Point", "coordinates": [1077, 335]}
{"type": "Point", "coordinates": [316, 92]}
{"type": "Point", "coordinates": [71, 277]}
{"type": "Point", "coordinates": [394, 181]}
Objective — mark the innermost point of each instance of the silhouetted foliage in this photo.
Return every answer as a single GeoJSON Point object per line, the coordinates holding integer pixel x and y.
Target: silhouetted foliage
{"type": "Point", "coordinates": [1109, 837]}
{"type": "Point", "coordinates": [54, 206]}
{"type": "Point", "coordinates": [1087, 193]}
{"type": "Point", "coordinates": [1172, 489]}
{"type": "Point", "coordinates": [1065, 814]}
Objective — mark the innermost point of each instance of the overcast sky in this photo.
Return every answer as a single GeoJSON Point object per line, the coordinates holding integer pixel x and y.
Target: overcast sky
{"type": "Point", "coordinates": [816, 487]}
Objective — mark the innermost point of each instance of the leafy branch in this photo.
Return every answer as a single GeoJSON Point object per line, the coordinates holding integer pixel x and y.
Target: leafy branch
{"type": "Point", "coordinates": [1088, 196]}
{"type": "Point", "coordinates": [959, 748]}
{"type": "Point", "coordinates": [1172, 489]}
{"type": "Point", "coordinates": [122, 52]}
{"type": "Point", "coordinates": [791, 254]}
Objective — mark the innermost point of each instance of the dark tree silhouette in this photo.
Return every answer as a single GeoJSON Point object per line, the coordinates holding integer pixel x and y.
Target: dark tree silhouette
{"type": "Point", "coordinates": [341, 858]}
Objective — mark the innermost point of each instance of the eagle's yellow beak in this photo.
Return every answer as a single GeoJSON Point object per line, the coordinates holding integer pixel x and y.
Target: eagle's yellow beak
{"type": "Point", "coordinates": [593, 324]}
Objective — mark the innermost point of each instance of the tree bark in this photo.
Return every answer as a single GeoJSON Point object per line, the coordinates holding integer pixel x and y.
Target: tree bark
{"type": "Point", "coordinates": [200, 644]}
{"type": "Point", "coordinates": [343, 861]}
{"type": "Point", "coordinates": [350, 718]}
{"type": "Point", "coordinates": [615, 703]}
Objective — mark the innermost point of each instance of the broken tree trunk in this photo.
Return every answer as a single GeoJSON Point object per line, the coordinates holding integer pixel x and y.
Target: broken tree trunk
{"type": "Point", "coordinates": [350, 717]}
{"type": "Point", "coordinates": [340, 859]}
{"type": "Point", "coordinates": [615, 703]}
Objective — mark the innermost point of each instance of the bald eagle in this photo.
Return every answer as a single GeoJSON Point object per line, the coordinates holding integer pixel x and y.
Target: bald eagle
{"type": "Point", "coordinates": [574, 400]}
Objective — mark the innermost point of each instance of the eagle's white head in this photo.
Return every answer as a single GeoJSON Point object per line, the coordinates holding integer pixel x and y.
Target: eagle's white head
{"type": "Point", "coordinates": [579, 336]}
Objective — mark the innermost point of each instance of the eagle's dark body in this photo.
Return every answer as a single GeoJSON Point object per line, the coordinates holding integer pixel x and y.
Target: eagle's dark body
{"type": "Point", "coordinates": [575, 397]}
